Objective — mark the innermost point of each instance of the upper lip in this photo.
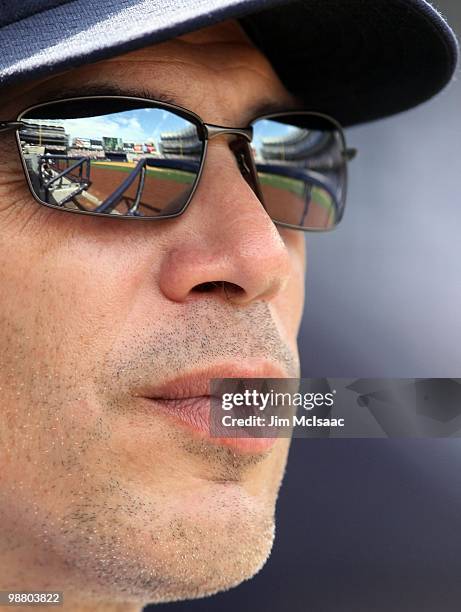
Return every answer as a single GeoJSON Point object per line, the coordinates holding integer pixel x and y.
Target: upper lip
{"type": "Point", "coordinates": [196, 383]}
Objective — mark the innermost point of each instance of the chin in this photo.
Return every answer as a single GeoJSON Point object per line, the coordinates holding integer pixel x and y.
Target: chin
{"type": "Point", "coordinates": [154, 554]}
{"type": "Point", "coordinates": [228, 569]}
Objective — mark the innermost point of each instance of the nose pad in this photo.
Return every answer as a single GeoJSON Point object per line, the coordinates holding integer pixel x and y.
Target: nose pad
{"type": "Point", "coordinates": [245, 163]}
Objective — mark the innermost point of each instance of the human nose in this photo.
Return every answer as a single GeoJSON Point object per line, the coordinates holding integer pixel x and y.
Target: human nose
{"type": "Point", "coordinates": [225, 243]}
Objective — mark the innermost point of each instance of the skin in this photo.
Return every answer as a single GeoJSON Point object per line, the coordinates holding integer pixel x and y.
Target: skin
{"type": "Point", "coordinates": [101, 498]}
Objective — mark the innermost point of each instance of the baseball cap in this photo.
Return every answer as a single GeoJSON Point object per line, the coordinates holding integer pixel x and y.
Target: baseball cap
{"type": "Point", "coordinates": [357, 60]}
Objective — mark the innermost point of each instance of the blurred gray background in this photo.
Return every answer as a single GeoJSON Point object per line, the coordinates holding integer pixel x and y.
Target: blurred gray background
{"type": "Point", "coordinates": [384, 288]}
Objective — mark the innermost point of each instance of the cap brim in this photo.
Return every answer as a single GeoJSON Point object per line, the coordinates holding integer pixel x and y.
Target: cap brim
{"type": "Point", "coordinates": [357, 60]}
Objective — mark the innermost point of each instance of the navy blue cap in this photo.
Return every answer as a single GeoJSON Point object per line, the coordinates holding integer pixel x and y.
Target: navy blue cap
{"type": "Point", "coordinates": [357, 60]}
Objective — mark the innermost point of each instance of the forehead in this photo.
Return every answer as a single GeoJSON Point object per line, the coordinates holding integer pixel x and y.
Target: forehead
{"type": "Point", "coordinates": [216, 72]}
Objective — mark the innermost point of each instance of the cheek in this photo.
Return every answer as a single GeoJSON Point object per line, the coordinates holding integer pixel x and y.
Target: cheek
{"type": "Point", "coordinates": [289, 304]}
{"type": "Point", "coordinates": [66, 294]}
{"type": "Point", "coordinates": [65, 297]}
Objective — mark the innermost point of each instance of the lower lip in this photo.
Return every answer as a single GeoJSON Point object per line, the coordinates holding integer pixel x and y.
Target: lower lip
{"type": "Point", "coordinates": [194, 413]}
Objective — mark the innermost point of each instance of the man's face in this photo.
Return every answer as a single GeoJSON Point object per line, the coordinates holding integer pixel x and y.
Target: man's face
{"type": "Point", "coordinates": [103, 493]}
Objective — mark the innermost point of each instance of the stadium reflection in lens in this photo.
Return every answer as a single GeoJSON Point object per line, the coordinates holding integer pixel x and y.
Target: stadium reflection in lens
{"type": "Point", "coordinates": [111, 157]}
{"type": "Point", "coordinates": [301, 168]}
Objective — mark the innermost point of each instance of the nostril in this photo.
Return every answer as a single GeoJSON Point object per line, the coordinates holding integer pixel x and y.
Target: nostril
{"type": "Point", "coordinates": [230, 290]}
{"type": "Point", "coordinates": [208, 287]}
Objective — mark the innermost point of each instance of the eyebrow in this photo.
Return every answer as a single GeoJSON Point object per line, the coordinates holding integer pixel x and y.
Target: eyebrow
{"type": "Point", "coordinates": [263, 107]}
{"type": "Point", "coordinates": [105, 89]}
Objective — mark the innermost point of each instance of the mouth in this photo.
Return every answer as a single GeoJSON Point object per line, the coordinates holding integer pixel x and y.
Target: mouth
{"type": "Point", "coordinates": [187, 400]}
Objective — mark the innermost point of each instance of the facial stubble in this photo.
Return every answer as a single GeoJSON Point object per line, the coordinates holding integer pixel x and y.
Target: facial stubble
{"type": "Point", "coordinates": [85, 515]}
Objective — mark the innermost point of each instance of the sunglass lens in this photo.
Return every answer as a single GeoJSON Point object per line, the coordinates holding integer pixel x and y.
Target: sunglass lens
{"type": "Point", "coordinates": [111, 156]}
{"type": "Point", "coordinates": [301, 164]}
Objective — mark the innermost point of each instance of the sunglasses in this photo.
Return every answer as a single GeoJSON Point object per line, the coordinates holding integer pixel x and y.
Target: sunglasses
{"type": "Point", "coordinates": [127, 157]}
